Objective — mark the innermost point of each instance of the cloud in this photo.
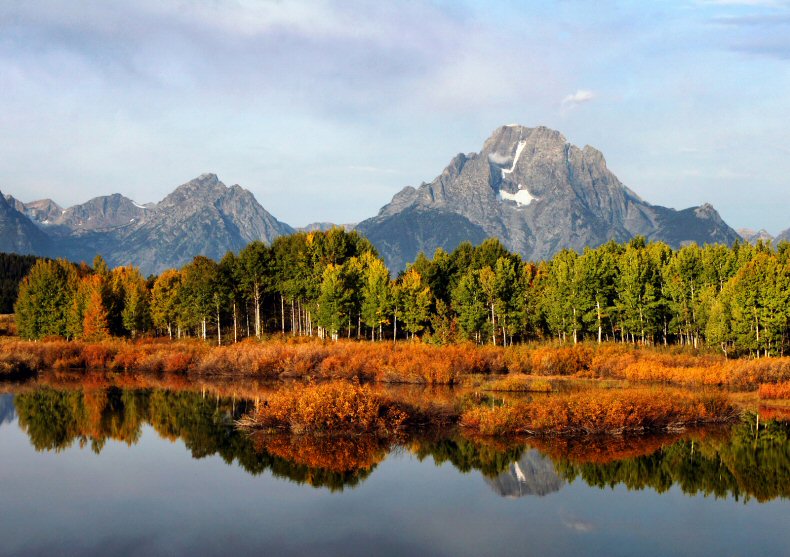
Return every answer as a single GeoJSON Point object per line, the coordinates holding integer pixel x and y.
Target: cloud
{"type": "Point", "coordinates": [575, 99]}
{"type": "Point", "coordinates": [496, 158]}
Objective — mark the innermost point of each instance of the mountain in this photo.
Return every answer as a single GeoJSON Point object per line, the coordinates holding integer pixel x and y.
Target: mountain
{"type": "Point", "coordinates": [18, 234]}
{"type": "Point", "coordinates": [783, 236]}
{"type": "Point", "coordinates": [538, 194]}
{"type": "Point", "coordinates": [42, 210]}
{"type": "Point", "coordinates": [200, 217]}
{"type": "Point", "coordinates": [753, 236]}
{"type": "Point", "coordinates": [108, 212]}
{"type": "Point", "coordinates": [324, 227]}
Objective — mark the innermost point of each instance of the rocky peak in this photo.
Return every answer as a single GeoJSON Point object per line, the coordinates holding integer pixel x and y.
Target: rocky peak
{"type": "Point", "coordinates": [537, 193]}
{"type": "Point", "coordinates": [706, 211]}
{"type": "Point", "coordinates": [753, 236]}
{"type": "Point", "coordinates": [42, 211]}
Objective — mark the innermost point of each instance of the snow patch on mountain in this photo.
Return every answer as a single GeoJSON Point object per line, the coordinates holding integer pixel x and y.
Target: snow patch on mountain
{"type": "Point", "coordinates": [519, 149]}
{"type": "Point", "coordinates": [522, 197]}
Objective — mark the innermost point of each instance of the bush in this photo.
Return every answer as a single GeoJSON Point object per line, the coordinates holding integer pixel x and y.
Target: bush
{"type": "Point", "coordinates": [330, 408]}
{"type": "Point", "coordinates": [775, 391]}
{"type": "Point", "coordinates": [611, 412]}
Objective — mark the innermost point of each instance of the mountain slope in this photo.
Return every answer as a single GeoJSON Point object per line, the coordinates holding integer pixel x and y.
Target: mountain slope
{"type": "Point", "coordinates": [18, 234]}
{"type": "Point", "coordinates": [753, 236]}
{"type": "Point", "coordinates": [201, 217]}
{"type": "Point", "coordinates": [537, 193]}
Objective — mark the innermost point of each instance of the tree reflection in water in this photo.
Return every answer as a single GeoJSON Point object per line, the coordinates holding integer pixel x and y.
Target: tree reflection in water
{"type": "Point", "coordinates": [745, 461]}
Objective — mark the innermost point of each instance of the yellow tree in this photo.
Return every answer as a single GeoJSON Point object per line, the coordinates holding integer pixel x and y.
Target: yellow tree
{"type": "Point", "coordinates": [95, 324]}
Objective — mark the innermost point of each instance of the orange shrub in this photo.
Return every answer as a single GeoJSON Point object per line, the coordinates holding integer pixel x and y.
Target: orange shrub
{"type": "Point", "coordinates": [98, 356]}
{"type": "Point", "coordinates": [561, 360]}
{"type": "Point", "coordinates": [177, 362]}
{"type": "Point", "coordinates": [775, 391]}
{"type": "Point", "coordinates": [631, 410]}
{"type": "Point", "coordinates": [337, 408]}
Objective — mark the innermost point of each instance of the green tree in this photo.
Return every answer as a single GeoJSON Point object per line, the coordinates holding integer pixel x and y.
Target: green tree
{"type": "Point", "coordinates": [376, 295]}
{"type": "Point", "coordinates": [333, 300]}
{"type": "Point", "coordinates": [470, 304]}
{"type": "Point", "coordinates": [45, 299]}
{"type": "Point", "coordinates": [164, 300]}
{"type": "Point", "coordinates": [415, 298]}
{"type": "Point", "coordinates": [197, 293]}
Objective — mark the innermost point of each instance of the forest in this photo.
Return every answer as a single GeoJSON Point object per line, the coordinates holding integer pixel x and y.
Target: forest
{"type": "Point", "coordinates": [332, 285]}
{"type": "Point", "coordinates": [13, 269]}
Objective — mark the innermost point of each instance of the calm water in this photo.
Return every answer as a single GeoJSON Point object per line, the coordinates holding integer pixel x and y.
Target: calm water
{"type": "Point", "coordinates": [98, 471]}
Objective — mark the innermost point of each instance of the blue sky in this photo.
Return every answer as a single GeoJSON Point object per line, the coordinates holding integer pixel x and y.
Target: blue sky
{"type": "Point", "coordinates": [325, 109]}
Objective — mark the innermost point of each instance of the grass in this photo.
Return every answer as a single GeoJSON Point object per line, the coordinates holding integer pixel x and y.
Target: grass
{"type": "Point", "coordinates": [518, 383]}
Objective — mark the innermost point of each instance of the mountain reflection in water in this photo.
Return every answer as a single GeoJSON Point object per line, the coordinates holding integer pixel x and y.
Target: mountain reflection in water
{"type": "Point", "coordinates": [743, 461]}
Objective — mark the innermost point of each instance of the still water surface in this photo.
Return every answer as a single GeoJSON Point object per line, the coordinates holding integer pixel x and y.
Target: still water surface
{"type": "Point", "coordinates": [114, 471]}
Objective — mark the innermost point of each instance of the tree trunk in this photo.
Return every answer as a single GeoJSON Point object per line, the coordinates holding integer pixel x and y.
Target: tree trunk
{"type": "Point", "coordinates": [493, 325]}
{"type": "Point", "coordinates": [256, 295]}
{"type": "Point", "coordinates": [395, 328]}
{"type": "Point", "coordinates": [219, 330]}
{"type": "Point", "coordinates": [600, 327]}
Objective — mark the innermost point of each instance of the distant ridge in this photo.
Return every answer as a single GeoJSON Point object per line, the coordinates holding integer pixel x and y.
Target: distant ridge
{"type": "Point", "coordinates": [201, 217]}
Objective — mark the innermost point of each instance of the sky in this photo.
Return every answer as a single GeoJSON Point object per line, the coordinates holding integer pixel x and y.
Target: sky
{"type": "Point", "coordinates": [324, 109]}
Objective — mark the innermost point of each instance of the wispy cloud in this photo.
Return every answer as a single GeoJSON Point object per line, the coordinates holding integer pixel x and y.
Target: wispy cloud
{"type": "Point", "coordinates": [573, 100]}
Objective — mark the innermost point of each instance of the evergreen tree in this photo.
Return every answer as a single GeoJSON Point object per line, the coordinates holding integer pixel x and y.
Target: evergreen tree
{"type": "Point", "coordinates": [45, 299]}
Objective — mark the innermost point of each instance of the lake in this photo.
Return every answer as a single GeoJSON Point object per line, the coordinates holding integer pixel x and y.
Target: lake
{"type": "Point", "coordinates": [92, 469]}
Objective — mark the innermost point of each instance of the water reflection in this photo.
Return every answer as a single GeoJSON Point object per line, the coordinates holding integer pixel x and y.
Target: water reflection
{"type": "Point", "coordinates": [746, 461]}
{"type": "Point", "coordinates": [7, 413]}
{"type": "Point", "coordinates": [532, 474]}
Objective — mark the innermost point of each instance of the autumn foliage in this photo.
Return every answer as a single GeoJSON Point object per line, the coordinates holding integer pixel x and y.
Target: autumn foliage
{"type": "Point", "coordinates": [775, 391]}
{"type": "Point", "coordinates": [338, 407]}
{"type": "Point", "coordinates": [592, 412]}
{"type": "Point", "coordinates": [406, 362]}
{"type": "Point", "coordinates": [342, 455]}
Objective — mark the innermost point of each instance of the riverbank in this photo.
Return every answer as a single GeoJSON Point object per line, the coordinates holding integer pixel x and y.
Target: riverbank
{"type": "Point", "coordinates": [406, 362]}
{"type": "Point", "coordinates": [329, 388]}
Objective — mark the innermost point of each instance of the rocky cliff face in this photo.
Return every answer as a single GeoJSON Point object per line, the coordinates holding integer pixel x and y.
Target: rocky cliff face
{"type": "Point", "coordinates": [537, 193]}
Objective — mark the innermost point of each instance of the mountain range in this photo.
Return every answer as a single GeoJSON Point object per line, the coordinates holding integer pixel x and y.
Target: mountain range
{"type": "Point", "coordinates": [201, 217]}
{"type": "Point", "coordinates": [529, 187]}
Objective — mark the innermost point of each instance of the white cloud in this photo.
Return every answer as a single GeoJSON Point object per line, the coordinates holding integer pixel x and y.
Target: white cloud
{"type": "Point", "coordinates": [575, 99]}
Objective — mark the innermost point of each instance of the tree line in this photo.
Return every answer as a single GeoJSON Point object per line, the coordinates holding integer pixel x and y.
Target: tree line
{"type": "Point", "coordinates": [13, 268]}
{"type": "Point", "coordinates": [333, 284]}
